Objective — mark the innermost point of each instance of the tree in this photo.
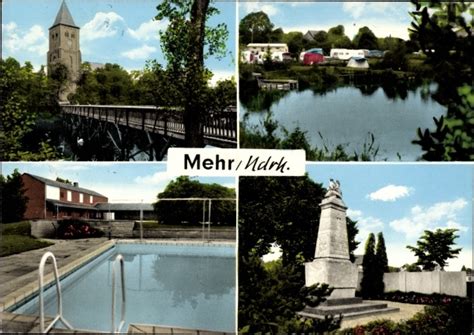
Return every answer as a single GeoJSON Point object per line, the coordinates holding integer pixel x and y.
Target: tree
{"type": "Point", "coordinates": [445, 36]}
{"type": "Point", "coordinates": [381, 266]}
{"type": "Point", "coordinates": [183, 44]}
{"type": "Point", "coordinates": [337, 38]}
{"type": "Point", "coordinates": [411, 267]}
{"type": "Point", "coordinates": [25, 95]}
{"type": "Point", "coordinates": [191, 212]}
{"type": "Point", "coordinates": [255, 27]}
{"type": "Point", "coordinates": [14, 201]}
{"type": "Point", "coordinates": [369, 265]}
{"type": "Point", "coordinates": [365, 39]}
{"type": "Point", "coordinates": [294, 39]}
{"type": "Point", "coordinates": [435, 248]}
{"type": "Point", "coordinates": [381, 253]}
{"type": "Point", "coordinates": [352, 231]}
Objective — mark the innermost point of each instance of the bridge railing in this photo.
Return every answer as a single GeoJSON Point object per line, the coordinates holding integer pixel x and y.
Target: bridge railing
{"type": "Point", "coordinates": [165, 120]}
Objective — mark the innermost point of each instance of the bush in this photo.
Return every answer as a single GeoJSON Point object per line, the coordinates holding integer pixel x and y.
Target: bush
{"type": "Point", "coordinates": [453, 317]}
{"type": "Point", "coordinates": [22, 228]}
{"type": "Point", "coordinates": [74, 229]}
{"type": "Point", "coordinates": [423, 299]}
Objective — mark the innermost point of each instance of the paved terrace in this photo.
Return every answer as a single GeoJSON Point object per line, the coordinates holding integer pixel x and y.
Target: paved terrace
{"type": "Point", "coordinates": [20, 270]}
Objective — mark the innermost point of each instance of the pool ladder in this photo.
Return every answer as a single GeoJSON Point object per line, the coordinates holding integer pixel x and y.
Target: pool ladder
{"type": "Point", "coordinates": [59, 316]}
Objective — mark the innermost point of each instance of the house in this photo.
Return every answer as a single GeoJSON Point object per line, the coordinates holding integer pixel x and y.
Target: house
{"type": "Point", "coordinates": [126, 211]}
{"type": "Point", "coordinates": [310, 35]}
{"type": "Point", "coordinates": [49, 199]}
{"type": "Point", "coordinates": [267, 47]}
{"type": "Point", "coordinates": [256, 52]}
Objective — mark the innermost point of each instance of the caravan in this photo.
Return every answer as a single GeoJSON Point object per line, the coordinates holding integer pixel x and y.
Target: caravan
{"type": "Point", "coordinates": [346, 54]}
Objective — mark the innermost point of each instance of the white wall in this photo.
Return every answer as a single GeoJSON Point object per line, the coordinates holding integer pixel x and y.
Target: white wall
{"type": "Point", "coordinates": [451, 283]}
{"type": "Point", "coordinates": [52, 192]}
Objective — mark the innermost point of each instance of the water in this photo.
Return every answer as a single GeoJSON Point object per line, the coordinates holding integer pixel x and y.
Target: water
{"type": "Point", "coordinates": [346, 116]}
{"type": "Point", "coordinates": [189, 287]}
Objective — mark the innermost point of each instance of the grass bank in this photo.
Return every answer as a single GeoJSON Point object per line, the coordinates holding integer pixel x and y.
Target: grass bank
{"type": "Point", "coordinates": [16, 238]}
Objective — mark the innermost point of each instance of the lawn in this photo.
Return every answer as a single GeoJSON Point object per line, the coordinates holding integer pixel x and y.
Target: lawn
{"type": "Point", "coordinates": [16, 238]}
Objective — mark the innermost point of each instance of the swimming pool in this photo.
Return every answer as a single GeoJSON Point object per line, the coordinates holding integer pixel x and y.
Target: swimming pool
{"type": "Point", "coordinates": [180, 285]}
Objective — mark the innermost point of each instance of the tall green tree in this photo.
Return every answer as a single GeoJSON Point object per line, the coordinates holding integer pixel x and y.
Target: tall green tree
{"type": "Point", "coordinates": [365, 39]}
{"type": "Point", "coordinates": [187, 41]}
{"type": "Point", "coordinates": [435, 248]}
{"type": "Point", "coordinates": [14, 201]}
{"type": "Point", "coordinates": [255, 28]}
{"type": "Point", "coordinates": [25, 95]}
{"type": "Point", "coordinates": [294, 40]}
{"type": "Point", "coordinates": [191, 212]}
{"type": "Point", "coordinates": [337, 38]}
{"type": "Point", "coordinates": [381, 265]}
{"type": "Point", "coordinates": [369, 264]}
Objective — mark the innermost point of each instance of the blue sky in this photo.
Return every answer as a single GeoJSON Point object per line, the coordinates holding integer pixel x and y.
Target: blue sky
{"type": "Point", "coordinates": [120, 182]}
{"type": "Point", "coordinates": [384, 18]}
{"type": "Point", "coordinates": [114, 31]}
{"type": "Point", "coordinates": [402, 200]}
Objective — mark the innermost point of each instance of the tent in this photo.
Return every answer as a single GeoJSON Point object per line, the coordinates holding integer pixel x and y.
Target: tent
{"type": "Point", "coordinates": [358, 62]}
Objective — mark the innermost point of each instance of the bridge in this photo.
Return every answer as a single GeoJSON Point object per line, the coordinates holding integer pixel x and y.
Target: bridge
{"type": "Point", "coordinates": [219, 128]}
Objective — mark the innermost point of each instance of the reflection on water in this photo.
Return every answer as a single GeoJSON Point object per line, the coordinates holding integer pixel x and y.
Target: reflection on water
{"type": "Point", "coordinates": [187, 291]}
{"type": "Point", "coordinates": [345, 115]}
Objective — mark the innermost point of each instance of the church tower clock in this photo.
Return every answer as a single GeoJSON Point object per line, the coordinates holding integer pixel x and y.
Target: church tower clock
{"type": "Point", "coordinates": [64, 47]}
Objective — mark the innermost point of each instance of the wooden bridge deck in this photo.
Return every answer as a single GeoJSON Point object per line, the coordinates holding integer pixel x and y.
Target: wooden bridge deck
{"type": "Point", "coordinates": [220, 129]}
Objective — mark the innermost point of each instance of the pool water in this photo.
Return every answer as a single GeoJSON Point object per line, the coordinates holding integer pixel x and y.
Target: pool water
{"type": "Point", "coordinates": [173, 285]}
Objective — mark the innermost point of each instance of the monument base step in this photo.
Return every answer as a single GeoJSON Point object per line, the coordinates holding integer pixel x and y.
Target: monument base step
{"type": "Point", "coordinates": [348, 311]}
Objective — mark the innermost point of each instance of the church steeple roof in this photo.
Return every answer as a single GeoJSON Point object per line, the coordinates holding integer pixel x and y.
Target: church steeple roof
{"type": "Point", "coordinates": [64, 16]}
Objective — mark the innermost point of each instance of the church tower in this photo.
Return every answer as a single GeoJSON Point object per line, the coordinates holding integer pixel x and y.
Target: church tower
{"type": "Point", "coordinates": [64, 47]}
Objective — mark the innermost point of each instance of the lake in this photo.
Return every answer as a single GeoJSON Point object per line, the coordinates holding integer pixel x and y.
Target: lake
{"type": "Point", "coordinates": [347, 116]}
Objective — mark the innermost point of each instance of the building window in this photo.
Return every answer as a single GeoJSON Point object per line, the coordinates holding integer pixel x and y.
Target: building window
{"type": "Point", "coordinates": [66, 34]}
{"type": "Point", "coordinates": [91, 199]}
{"type": "Point", "coordinates": [81, 197]}
{"type": "Point", "coordinates": [69, 196]}
{"type": "Point", "coordinates": [73, 35]}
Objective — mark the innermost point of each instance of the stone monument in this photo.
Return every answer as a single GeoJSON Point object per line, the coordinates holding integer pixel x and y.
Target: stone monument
{"type": "Point", "coordinates": [332, 264]}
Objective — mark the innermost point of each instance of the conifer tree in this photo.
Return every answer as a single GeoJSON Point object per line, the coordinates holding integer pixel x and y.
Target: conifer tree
{"type": "Point", "coordinates": [369, 264]}
{"type": "Point", "coordinates": [380, 266]}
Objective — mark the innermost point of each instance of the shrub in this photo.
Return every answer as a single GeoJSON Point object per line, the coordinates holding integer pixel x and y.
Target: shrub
{"type": "Point", "coordinates": [74, 229]}
{"type": "Point", "coordinates": [20, 228]}
{"type": "Point", "coordinates": [453, 317]}
{"type": "Point", "coordinates": [421, 298]}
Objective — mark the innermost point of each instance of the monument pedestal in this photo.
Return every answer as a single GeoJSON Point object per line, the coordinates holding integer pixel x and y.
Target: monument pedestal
{"type": "Point", "coordinates": [340, 273]}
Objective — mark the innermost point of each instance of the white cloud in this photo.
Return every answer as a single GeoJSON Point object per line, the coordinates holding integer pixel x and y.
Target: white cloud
{"type": "Point", "coordinates": [154, 179]}
{"type": "Point", "coordinates": [102, 25]}
{"type": "Point", "coordinates": [366, 225]}
{"type": "Point", "coordinates": [355, 9]}
{"type": "Point", "coordinates": [142, 52]}
{"type": "Point", "coordinates": [34, 40]}
{"type": "Point", "coordinates": [256, 6]}
{"type": "Point", "coordinates": [390, 193]}
{"type": "Point", "coordinates": [148, 30]}
{"type": "Point", "coordinates": [439, 215]}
